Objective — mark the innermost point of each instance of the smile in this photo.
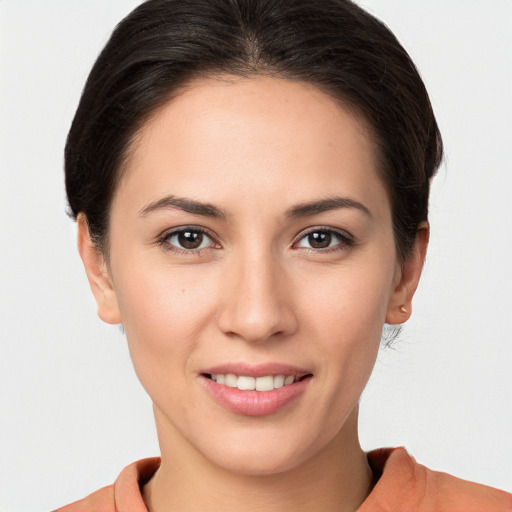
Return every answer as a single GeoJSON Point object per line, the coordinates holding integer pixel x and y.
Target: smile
{"type": "Point", "coordinates": [248, 383]}
{"type": "Point", "coordinates": [257, 391]}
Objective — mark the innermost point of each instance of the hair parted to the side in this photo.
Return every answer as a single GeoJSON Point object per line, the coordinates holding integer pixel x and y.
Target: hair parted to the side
{"type": "Point", "coordinates": [333, 44]}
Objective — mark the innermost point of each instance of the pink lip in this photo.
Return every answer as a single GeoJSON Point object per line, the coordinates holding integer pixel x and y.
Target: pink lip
{"type": "Point", "coordinates": [260, 370]}
{"type": "Point", "coordinates": [255, 403]}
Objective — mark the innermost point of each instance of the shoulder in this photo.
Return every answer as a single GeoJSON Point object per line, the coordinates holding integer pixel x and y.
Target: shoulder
{"type": "Point", "coordinates": [405, 485]}
{"type": "Point", "coordinates": [456, 494]}
{"type": "Point", "coordinates": [124, 495]}
{"type": "Point", "coordinates": [99, 501]}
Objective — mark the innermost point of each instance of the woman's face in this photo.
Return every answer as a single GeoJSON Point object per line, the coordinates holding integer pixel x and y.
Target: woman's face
{"type": "Point", "coordinates": [251, 237]}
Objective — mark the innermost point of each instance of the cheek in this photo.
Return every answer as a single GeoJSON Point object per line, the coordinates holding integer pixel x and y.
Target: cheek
{"type": "Point", "coordinates": [347, 310]}
{"type": "Point", "coordinates": [164, 309]}
{"type": "Point", "coordinates": [349, 301]}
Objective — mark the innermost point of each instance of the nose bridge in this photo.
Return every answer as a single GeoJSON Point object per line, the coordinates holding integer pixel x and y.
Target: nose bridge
{"type": "Point", "coordinates": [257, 302]}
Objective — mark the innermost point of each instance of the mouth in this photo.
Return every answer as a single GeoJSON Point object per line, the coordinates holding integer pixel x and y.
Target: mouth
{"type": "Point", "coordinates": [256, 391]}
{"type": "Point", "coordinates": [263, 384]}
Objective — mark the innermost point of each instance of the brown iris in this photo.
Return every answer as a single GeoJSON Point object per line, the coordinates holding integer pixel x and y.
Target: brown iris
{"type": "Point", "coordinates": [320, 239]}
{"type": "Point", "coordinates": [190, 239]}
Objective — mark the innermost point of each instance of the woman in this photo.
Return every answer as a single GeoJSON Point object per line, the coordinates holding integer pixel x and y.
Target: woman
{"type": "Point", "coordinates": [250, 181]}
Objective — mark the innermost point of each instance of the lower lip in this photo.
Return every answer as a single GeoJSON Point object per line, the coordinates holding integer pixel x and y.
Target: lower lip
{"type": "Point", "coordinates": [255, 403]}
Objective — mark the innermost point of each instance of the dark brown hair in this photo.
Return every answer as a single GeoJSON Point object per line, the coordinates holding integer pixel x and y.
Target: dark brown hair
{"type": "Point", "coordinates": [333, 44]}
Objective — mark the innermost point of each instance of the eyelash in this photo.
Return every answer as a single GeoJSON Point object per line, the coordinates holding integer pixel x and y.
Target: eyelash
{"type": "Point", "coordinates": [345, 240]}
{"type": "Point", "coordinates": [164, 240]}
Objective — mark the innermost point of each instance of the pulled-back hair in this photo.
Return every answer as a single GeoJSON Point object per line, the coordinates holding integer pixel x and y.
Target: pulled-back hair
{"type": "Point", "coordinates": [332, 44]}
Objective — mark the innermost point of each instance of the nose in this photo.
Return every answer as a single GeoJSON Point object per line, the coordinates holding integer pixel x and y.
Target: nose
{"type": "Point", "coordinates": [257, 301]}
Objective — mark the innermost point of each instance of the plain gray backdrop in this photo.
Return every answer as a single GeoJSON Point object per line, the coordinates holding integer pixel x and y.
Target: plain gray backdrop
{"type": "Point", "coordinates": [72, 411]}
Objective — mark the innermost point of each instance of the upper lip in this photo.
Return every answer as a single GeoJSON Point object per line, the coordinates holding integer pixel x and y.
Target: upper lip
{"type": "Point", "coordinates": [256, 370]}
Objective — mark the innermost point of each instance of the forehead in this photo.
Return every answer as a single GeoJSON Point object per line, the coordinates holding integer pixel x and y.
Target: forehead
{"type": "Point", "coordinates": [243, 136]}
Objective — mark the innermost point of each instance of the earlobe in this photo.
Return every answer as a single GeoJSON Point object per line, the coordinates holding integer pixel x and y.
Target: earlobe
{"type": "Point", "coordinates": [408, 277]}
{"type": "Point", "coordinates": [98, 274]}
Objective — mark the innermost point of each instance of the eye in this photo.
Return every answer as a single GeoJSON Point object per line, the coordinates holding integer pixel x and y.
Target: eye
{"type": "Point", "coordinates": [324, 239]}
{"type": "Point", "coordinates": [187, 239]}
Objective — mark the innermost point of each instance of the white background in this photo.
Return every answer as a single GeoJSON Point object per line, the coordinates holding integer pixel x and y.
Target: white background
{"type": "Point", "coordinates": [72, 412]}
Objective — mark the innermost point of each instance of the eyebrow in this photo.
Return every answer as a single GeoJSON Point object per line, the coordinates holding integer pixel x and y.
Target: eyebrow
{"type": "Point", "coordinates": [209, 210]}
{"type": "Point", "coordinates": [187, 205]}
{"type": "Point", "coordinates": [324, 205]}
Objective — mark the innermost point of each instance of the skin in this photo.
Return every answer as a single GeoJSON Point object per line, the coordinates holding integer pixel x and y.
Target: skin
{"type": "Point", "coordinates": [256, 292]}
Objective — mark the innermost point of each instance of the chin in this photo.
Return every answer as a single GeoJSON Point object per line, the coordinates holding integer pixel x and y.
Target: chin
{"type": "Point", "coordinates": [261, 464]}
{"type": "Point", "coordinates": [262, 453]}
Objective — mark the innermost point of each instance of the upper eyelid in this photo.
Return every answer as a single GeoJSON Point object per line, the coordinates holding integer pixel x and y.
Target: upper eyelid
{"type": "Point", "coordinates": [340, 232]}
{"type": "Point", "coordinates": [179, 229]}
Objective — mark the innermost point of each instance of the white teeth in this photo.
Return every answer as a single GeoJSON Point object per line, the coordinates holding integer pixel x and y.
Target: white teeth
{"type": "Point", "coordinates": [265, 383]}
{"type": "Point", "coordinates": [247, 383]}
{"type": "Point", "coordinates": [278, 381]}
{"type": "Point", "coordinates": [230, 380]}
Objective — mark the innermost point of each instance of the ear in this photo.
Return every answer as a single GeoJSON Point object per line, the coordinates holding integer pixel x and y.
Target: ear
{"type": "Point", "coordinates": [407, 279]}
{"type": "Point", "coordinates": [98, 274]}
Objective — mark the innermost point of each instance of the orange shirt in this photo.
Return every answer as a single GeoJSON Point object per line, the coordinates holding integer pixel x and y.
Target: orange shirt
{"type": "Point", "coordinates": [403, 486]}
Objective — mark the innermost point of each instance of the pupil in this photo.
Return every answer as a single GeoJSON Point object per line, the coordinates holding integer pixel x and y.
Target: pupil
{"type": "Point", "coordinates": [319, 239]}
{"type": "Point", "coordinates": [190, 239]}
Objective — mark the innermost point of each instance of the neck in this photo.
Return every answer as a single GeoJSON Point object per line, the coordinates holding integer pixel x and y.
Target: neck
{"type": "Point", "coordinates": [337, 478]}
